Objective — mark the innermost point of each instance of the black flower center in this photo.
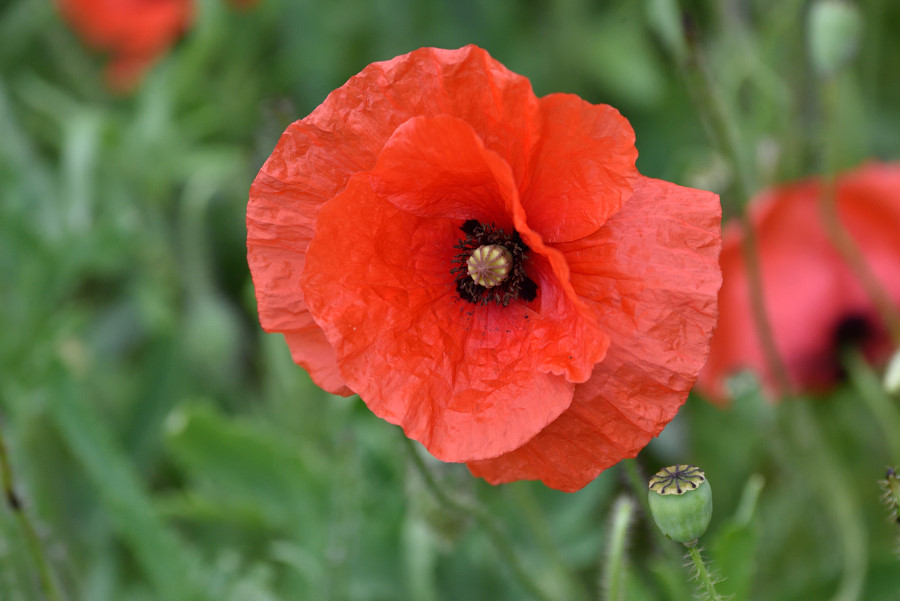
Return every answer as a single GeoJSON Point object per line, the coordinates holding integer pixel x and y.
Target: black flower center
{"type": "Point", "coordinates": [853, 331]}
{"type": "Point", "coordinates": [490, 266]}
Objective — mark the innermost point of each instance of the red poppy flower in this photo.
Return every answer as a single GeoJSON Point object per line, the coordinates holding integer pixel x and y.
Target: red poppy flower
{"type": "Point", "coordinates": [814, 301]}
{"type": "Point", "coordinates": [485, 268]}
{"type": "Point", "coordinates": [134, 32]}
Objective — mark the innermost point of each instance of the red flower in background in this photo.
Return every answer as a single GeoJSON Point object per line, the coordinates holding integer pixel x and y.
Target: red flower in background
{"type": "Point", "coordinates": [814, 301]}
{"type": "Point", "coordinates": [135, 33]}
{"type": "Point", "coordinates": [366, 221]}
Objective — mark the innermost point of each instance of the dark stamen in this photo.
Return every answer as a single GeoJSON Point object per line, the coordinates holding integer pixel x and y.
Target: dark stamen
{"type": "Point", "coordinates": [516, 285]}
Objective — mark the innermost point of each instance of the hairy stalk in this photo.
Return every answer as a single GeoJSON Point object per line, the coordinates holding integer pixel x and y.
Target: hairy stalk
{"type": "Point", "coordinates": [612, 584]}
{"type": "Point", "coordinates": [867, 384]}
{"type": "Point", "coordinates": [14, 502]}
{"type": "Point", "coordinates": [705, 579]}
{"type": "Point", "coordinates": [838, 233]}
{"type": "Point", "coordinates": [891, 498]}
{"type": "Point", "coordinates": [496, 534]}
{"type": "Point", "coordinates": [821, 467]}
{"type": "Point", "coordinates": [725, 137]}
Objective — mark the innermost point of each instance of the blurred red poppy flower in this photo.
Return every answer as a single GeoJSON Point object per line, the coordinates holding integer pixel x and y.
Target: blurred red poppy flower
{"type": "Point", "coordinates": [485, 268]}
{"type": "Point", "coordinates": [135, 33]}
{"type": "Point", "coordinates": [814, 301]}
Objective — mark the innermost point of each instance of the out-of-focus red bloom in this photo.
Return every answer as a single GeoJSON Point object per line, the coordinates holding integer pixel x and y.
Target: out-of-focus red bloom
{"type": "Point", "coordinates": [360, 226]}
{"type": "Point", "coordinates": [814, 301]}
{"type": "Point", "coordinates": [135, 33]}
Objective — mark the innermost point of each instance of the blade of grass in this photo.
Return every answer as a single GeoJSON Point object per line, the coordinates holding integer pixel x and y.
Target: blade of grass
{"type": "Point", "coordinates": [169, 566]}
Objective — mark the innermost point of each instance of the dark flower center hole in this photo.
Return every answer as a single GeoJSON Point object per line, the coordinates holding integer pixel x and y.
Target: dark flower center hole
{"type": "Point", "coordinates": [490, 266]}
{"type": "Point", "coordinates": [853, 331]}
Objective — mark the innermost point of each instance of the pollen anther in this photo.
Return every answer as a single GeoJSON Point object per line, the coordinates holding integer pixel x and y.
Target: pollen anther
{"type": "Point", "coordinates": [489, 265]}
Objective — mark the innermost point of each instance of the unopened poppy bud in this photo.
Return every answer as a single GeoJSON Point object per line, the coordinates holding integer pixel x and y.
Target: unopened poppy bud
{"type": "Point", "coordinates": [681, 502]}
{"type": "Point", "coordinates": [489, 265]}
{"type": "Point", "coordinates": [834, 32]}
{"type": "Point", "coordinates": [892, 375]}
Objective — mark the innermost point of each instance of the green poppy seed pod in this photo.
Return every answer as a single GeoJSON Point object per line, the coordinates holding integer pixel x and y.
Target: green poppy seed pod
{"type": "Point", "coordinates": [892, 375]}
{"type": "Point", "coordinates": [835, 28]}
{"type": "Point", "coordinates": [681, 502]}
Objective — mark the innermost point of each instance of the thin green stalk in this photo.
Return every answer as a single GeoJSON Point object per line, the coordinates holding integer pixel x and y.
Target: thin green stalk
{"type": "Point", "coordinates": [702, 573]}
{"type": "Point", "coordinates": [724, 133]}
{"type": "Point", "coordinates": [613, 572]}
{"type": "Point", "coordinates": [45, 576]}
{"type": "Point", "coordinates": [496, 534]}
{"type": "Point", "coordinates": [821, 467]}
{"type": "Point", "coordinates": [867, 384]}
{"type": "Point", "coordinates": [540, 529]}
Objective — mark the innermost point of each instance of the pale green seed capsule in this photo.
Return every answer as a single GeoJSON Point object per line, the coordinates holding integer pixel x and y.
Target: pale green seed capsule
{"type": "Point", "coordinates": [892, 375]}
{"type": "Point", "coordinates": [681, 502]}
{"type": "Point", "coordinates": [835, 29]}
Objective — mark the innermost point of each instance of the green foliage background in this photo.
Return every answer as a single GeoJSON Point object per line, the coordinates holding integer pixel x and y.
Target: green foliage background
{"type": "Point", "coordinates": [168, 449]}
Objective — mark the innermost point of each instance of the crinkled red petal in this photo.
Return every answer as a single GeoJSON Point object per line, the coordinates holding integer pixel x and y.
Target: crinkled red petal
{"type": "Point", "coordinates": [582, 167]}
{"type": "Point", "coordinates": [439, 168]}
{"type": "Point", "coordinates": [316, 157]}
{"type": "Point", "coordinates": [652, 272]}
{"type": "Point", "coordinates": [466, 380]}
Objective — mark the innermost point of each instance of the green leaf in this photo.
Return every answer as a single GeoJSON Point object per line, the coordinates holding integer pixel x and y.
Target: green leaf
{"type": "Point", "coordinates": [733, 549]}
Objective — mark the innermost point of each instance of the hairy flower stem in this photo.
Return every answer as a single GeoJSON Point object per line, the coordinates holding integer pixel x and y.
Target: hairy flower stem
{"type": "Point", "coordinates": [14, 502]}
{"type": "Point", "coordinates": [867, 384]}
{"type": "Point", "coordinates": [612, 583]}
{"type": "Point", "coordinates": [819, 464]}
{"type": "Point", "coordinates": [704, 577]}
{"type": "Point", "coordinates": [837, 232]}
{"type": "Point", "coordinates": [496, 534]}
{"type": "Point", "coordinates": [723, 131]}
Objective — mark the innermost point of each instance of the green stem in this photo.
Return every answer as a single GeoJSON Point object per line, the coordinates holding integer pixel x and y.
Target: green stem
{"type": "Point", "coordinates": [613, 583]}
{"type": "Point", "coordinates": [867, 384]}
{"type": "Point", "coordinates": [725, 136]}
{"type": "Point", "coordinates": [704, 577]}
{"type": "Point", "coordinates": [537, 522]}
{"type": "Point", "coordinates": [819, 464]}
{"type": "Point", "coordinates": [491, 528]}
{"type": "Point", "coordinates": [45, 576]}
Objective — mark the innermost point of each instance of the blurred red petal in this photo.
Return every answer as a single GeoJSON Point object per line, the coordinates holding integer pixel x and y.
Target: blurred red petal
{"type": "Point", "coordinates": [808, 289]}
{"type": "Point", "coordinates": [134, 32]}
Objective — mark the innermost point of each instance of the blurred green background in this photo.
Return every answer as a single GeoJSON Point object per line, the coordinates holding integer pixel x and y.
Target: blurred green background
{"type": "Point", "coordinates": [166, 448]}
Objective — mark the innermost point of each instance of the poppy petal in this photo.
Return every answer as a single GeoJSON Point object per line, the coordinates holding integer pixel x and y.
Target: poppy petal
{"type": "Point", "coordinates": [315, 158]}
{"type": "Point", "coordinates": [582, 168]}
{"type": "Point", "coordinates": [466, 380]}
{"type": "Point", "coordinates": [634, 271]}
{"type": "Point", "coordinates": [438, 168]}
{"type": "Point", "coordinates": [285, 199]}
